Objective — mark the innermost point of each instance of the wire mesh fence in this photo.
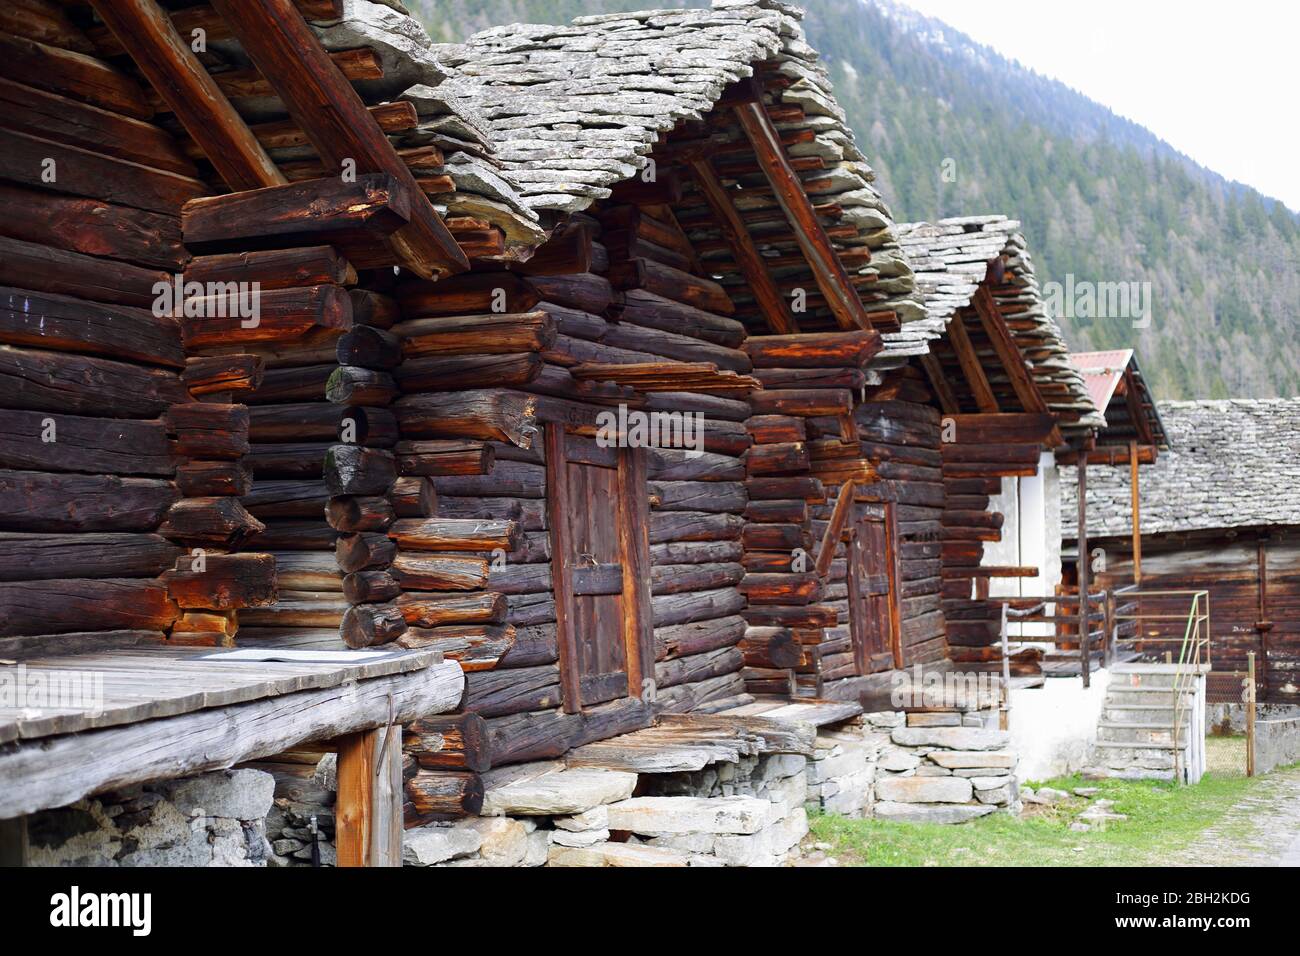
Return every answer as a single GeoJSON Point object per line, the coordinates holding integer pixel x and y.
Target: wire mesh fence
{"type": "Point", "coordinates": [1225, 755]}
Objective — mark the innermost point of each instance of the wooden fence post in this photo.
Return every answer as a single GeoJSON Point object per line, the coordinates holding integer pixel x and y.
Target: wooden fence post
{"type": "Point", "coordinates": [1250, 713]}
{"type": "Point", "coordinates": [1085, 626]}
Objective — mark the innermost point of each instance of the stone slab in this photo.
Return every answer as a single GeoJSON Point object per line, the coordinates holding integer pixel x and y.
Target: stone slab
{"type": "Point", "coordinates": [615, 854]}
{"type": "Point", "coordinates": [924, 789]}
{"type": "Point", "coordinates": [953, 738]}
{"type": "Point", "coordinates": [973, 758]}
{"type": "Point", "coordinates": [655, 815]}
{"type": "Point", "coordinates": [559, 793]}
{"type": "Point", "coordinates": [928, 813]}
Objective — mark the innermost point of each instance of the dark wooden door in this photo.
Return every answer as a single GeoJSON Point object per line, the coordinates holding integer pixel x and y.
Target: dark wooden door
{"type": "Point", "coordinates": [597, 511]}
{"type": "Point", "coordinates": [597, 581]}
{"type": "Point", "coordinates": [873, 590]}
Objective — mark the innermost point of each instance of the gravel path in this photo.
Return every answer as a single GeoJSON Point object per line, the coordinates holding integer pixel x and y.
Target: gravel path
{"type": "Point", "coordinates": [1261, 830]}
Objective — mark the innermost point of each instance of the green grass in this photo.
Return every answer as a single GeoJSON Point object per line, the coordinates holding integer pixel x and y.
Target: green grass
{"type": "Point", "coordinates": [1162, 818]}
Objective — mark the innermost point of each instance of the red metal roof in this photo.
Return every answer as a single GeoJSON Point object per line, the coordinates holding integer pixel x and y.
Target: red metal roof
{"type": "Point", "coordinates": [1102, 372]}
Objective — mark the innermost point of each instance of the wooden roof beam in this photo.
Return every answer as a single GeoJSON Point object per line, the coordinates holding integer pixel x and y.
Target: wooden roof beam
{"type": "Point", "coordinates": [775, 309]}
{"type": "Point", "coordinates": [942, 390]}
{"type": "Point", "coordinates": [995, 327]}
{"type": "Point", "coordinates": [829, 272]}
{"type": "Point", "coordinates": [277, 39]}
{"type": "Point", "coordinates": [173, 70]}
{"type": "Point", "coordinates": [985, 401]}
{"type": "Point", "coordinates": [1141, 424]}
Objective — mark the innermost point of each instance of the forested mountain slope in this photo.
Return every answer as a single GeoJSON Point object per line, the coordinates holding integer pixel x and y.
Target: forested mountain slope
{"type": "Point", "coordinates": [952, 128]}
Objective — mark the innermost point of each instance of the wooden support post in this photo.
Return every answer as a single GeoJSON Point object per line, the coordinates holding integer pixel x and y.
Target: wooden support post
{"type": "Point", "coordinates": [1004, 715]}
{"type": "Point", "coordinates": [386, 823]}
{"type": "Point", "coordinates": [13, 842]}
{"type": "Point", "coordinates": [332, 116]}
{"type": "Point", "coordinates": [1084, 569]}
{"type": "Point", "coordinates": [1263, 625]}
{"type": "Point", "coordinates": [1136, 499]}
{"type": "Point", "coordinates": [146, 31]}
{"type": "Point", "coordinates": [355, 809]}
{"type": "Point", "coordinates": [832, 278]}
{"type": "Point", "coordinates": [1108, 649]}
{"type": "Point", "coordinates": [1250, 713]}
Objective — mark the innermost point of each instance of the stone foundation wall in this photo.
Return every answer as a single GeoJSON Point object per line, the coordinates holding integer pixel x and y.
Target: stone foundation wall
{"type": "Point", "coordinates": [1277, 743]}
{"type": "Point", "coordinates": [842, 769]}
{"type": "Point", "coordinates": [747, 813]}
{"type": "Point", "coordinates": [947, 767]}
{"type": "Point", "coordinates": [923, 767]}
{"type": "Point", "coordinates": [1224, 719]}
{"type": "Point", "coordinates": [302, 813]}
{"type": "Point", "coordinates": [214, 819]}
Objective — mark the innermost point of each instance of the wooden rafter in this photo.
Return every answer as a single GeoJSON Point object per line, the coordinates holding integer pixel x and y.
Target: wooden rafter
{"type": "Point", "coordinates": [173, 70]}
{"type": "Point", "coordinates": [830, 274]}
{"type": "Point", "coordinates": [332, 115]}
{"type": "Point", "coordinates": [939, 382]}
{"type": "Point", "coordinates": [995, 327]}
{"type": "Point", "coordinates": [1141, 425]}
{"type": "Point", "coordinates": [834, 529]}
{"type": "Point", "coordinates": [775, 309]}
{"type": "Point", "coordinates": [971, 367]}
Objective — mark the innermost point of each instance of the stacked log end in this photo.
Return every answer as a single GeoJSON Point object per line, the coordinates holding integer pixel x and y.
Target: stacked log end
{"type": "Point", "coordinates": [805, 456]}
{"type": "Point", "coordinates": [902, 435]}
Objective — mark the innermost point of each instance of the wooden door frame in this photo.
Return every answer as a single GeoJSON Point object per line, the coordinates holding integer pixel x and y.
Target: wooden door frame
{"type": "Point", "coordinates": [893, 593]}
{"type": "Point", "coordinates": [632, 511]}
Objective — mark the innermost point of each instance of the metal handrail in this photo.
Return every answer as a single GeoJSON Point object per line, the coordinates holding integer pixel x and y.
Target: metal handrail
{"type": "Point", "coordinates": [1189, 662]}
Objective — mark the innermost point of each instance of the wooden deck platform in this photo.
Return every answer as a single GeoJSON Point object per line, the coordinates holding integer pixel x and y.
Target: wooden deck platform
{"type": "Point", "coordinates": [108, 688]}
{"type": "Point", "coordinates": [134, 711]}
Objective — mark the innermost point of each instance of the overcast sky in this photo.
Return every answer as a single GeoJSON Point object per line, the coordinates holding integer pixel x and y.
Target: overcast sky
{"type": "Point", "coordinates": [1220, 81]}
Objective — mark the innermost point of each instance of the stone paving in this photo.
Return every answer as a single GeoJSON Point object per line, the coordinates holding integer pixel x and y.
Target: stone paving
{"type": "Point", "coordinates": [1262, 830]}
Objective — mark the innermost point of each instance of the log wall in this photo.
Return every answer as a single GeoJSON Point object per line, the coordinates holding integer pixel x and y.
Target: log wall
{"type": "Point", "coordinates": [487, 359]}
{"type": "Point", "coordinates": [89, 371]}
{"type": "Point", "coordinates": [1248, 611]}
{"type": "Point", "coordinates": [903, 435]}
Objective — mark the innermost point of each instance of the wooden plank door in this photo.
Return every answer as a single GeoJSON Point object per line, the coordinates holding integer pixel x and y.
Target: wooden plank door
{"type": "Point", "coordinates": [598, 506]}
{"type": "Point", "coordinates": [873, 590]}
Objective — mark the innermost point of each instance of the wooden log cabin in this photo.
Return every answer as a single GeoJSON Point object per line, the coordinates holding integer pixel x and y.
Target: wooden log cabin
{"type": "Point", "coordinates": [1218, 513]}
{"type": "Point", "coordinates": [484, 269]}
{"type": "Point", "coordinates": [973, 399]}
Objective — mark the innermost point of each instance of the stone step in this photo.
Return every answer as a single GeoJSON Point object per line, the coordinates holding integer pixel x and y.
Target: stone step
{"type": "Point", "coordinates": [1128, 696]}
{"type": "Point", "coordinates": [1129, 745]}
{"type": "Point", "coordinates": [1162, 679]}
{"type": "Point", "coordinates": [1164, 716]}
{"type": "Point", "coordinates": [1119, 733]}
{"type": "Point", "coordinates": [1127, 773]}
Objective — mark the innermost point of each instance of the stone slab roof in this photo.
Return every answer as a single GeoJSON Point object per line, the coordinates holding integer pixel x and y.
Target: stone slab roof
{"type": "Point", "coordinates": [949, 259]}
{"type": "Point", "coordinates": [539, 121]}
{"type": "Point", "coordinates": [1233, 464]}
